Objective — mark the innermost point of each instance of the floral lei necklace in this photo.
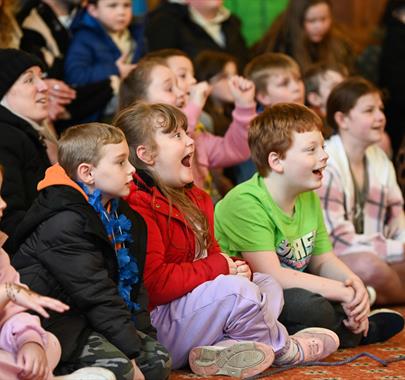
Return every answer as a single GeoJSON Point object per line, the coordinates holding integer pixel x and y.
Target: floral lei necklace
{"type": "Point", "coordinates": [117, 228]}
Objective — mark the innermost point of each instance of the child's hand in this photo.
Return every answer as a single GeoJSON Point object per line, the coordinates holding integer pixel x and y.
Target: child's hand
{"type": "Point", "coordinates": [32, 359]}
{"type": "Point", "coordinates": [138, 375]}
{"type": "Point", "coordinates": [357, 327]}
{"type": "Point", "coordinates": [359, 306]}
{"type": "Point", "coordinates": [233, 269]}
{"type": "Point", "coordinates": [243, 91]}
{"type": "Point", "coordinates": [199, 93]}
{"type": "Point", "coordinates": [123, 67]}
{"type": "Point", "coordinates": [243, 269]}
{"type": "Point", "coordinates": [27, 298]}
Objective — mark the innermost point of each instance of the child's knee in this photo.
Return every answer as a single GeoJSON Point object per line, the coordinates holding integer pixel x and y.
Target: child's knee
{"type": "Point", "coordinates": [232, 285]}
{"type": "Point", "coordinates": [309, 308]}
{"type": "Point", "coordinates": [154, 360]}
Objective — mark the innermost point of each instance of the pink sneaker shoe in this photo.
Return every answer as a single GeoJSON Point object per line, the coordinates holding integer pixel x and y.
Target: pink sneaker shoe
{"type": "Point", "coordinates": [308, 345]}
{"type": "Point", "coordinates": [242, 359]}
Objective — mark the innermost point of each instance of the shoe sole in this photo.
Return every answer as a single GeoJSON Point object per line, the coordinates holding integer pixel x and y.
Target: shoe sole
{"type": "Point", "coordinates": [89, 373]}
{"type": "Point", "coordinates": [240, 360]}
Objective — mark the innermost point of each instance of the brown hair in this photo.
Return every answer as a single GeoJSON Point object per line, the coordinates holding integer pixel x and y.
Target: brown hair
{"type": "Point", "coordinates": [209, 65]}
{"type": "Point", "coordinates": [262, 67]}
{"type": "Point", "coordinates": [344, 97]}
{"type": "Point", "coordinates": [139, 123]}
{"type": "Point", "coordinates": [135, 86]}
{"type": "Point", "coordinates": [315, 73]}
{"type": "Point", "coordinates": [272, 131]}
{"type": "Point", "coordinates": [8, 23]}
{"type": "Point", "coordinates": [287, 35]}
{"type": "Point", "coordinates": [82, 144]}
{"type": "Point", "coordinates": [166, 54]}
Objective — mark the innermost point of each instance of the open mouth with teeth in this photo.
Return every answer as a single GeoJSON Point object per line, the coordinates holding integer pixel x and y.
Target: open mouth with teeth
{"type": "Point", "coordinates": [186, 161]}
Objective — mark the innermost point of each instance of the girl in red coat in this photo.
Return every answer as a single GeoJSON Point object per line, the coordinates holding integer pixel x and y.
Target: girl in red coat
{"type": "Point", "coordinates": [203, 305]}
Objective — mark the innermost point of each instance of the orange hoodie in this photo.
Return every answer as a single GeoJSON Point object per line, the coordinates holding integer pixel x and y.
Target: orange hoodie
{"type": "Point", "coordinates": [56, 175]}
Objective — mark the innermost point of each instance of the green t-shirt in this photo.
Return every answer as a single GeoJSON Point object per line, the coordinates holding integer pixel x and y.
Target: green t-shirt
{"type": "Point", "coordinates": [248, 220]}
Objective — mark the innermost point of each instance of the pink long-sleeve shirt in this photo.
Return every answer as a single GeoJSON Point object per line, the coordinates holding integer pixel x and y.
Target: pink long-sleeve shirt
{"type": "Point", "coordinates": [216, 151]}
{"type": "Point", "coordinates": [16, 326]}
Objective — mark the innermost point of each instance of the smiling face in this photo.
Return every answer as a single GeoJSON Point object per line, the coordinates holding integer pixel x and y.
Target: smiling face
{"type": "Point", "coordinates": [184, 72]}
{"type": "Point", "coordinates": [113, 173]}
{"type": "Point", "coordinates": [284, 86]}
{"type": "Point", "coordinates": [305, 161]}
{"type": "Point", "coordinates": [163, 88]}
{"type": "Point", "coordinates": [115, 15]}
{"type": "Point", "coordinates": [317, 22]}
{"type": "Point", "coordinates": [365, 122]}
{"type": "Point", "coordinates": [29, 95]}
{"type": "Point", "coordinates": [173, 158]}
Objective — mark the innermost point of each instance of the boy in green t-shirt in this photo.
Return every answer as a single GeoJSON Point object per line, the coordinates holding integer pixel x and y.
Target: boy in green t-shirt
{"type": "Point", "coordinates": [274, 221]}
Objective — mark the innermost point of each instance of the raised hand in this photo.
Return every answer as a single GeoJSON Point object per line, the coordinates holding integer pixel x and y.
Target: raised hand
{"type": "Point", "coordinates": [243, 91]}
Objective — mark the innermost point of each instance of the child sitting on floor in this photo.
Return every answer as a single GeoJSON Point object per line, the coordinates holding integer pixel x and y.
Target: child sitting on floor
{"type": "Point", "coordinates": [274, 221]}
{"type": "Point", "coordinates": [80, 244]}
{"type": "Point", "coordinates": [27, 351]}
{"type": "Point", "coordinates": [205, 306]}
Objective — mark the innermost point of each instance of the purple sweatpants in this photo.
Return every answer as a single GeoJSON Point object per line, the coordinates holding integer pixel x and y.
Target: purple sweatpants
{"type": "Point", "coordinates": [229, 307]}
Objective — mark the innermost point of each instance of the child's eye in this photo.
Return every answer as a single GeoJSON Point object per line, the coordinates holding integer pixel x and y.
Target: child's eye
{"type": "Point", "coordinates": [284, 82]}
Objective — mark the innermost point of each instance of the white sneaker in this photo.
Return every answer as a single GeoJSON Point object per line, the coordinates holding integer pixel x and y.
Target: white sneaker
{"type": "Point", "coordinates": [243, 359]}
{"type": "Point", "coordinates": [88, 373]}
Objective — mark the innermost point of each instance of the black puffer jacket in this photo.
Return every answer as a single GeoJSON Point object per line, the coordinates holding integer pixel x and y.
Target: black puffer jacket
{"type": "Point", "coordinates": [24, 158]}
{"type": "Point", "coordinates": [65, 253]}
{"type": "Point", "coordinates": [170, 26]}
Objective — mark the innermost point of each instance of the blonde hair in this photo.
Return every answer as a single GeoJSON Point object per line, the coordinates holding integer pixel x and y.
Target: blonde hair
{"type": "Point", "coordinates": [82, 144]}
{"type": "Point", "coordinates": [8, 24]}
{"type": "Point", "coordinates": [272, 131]}
{"type": "Point", "coordinates": [262, 67]}
{"type": "Point", "coordinates": [139, 123]}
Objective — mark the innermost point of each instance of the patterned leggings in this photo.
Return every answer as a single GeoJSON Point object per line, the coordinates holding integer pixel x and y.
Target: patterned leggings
{"type": "Point", "coordinates": [154, 360]}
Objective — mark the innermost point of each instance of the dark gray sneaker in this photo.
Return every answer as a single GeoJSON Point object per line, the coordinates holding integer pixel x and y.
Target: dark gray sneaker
{"type": "Point", "coordinates": [383, 324]}
{"type": "Point", "coordinates": [242, 359]}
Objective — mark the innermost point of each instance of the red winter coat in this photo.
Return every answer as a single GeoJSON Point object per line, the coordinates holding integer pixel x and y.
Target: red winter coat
{"type": "Point", "coordinates": [170, 271]}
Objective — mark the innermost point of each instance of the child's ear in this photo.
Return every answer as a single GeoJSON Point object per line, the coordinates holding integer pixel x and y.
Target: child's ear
{"type": "Point", "coordinates": [314, 99]}
{"type": "Point", "coordinates": [85, 174]}
{"type": "Point", "coordinates": [340, 119]}
{"type": "Point", "coordinates": [274, 162]}
{"type": "Point", "coordinates": [263, 98]}
{"type": "Point", "coordinates": [145, 155]}
{"type": "Point", "coordinates": [92, 9]}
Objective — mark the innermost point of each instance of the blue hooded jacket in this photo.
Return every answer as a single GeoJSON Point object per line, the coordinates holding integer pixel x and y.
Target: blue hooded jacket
{"type": "Point", "coordinates": [92, 54]}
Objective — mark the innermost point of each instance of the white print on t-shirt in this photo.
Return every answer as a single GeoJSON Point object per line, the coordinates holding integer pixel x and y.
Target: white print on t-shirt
{"type": "Point", "coordinates": [298, 254]}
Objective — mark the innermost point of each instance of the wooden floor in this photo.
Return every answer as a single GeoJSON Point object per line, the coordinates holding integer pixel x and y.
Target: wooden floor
{"type": "Point", "coordinates": [363, 368]}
